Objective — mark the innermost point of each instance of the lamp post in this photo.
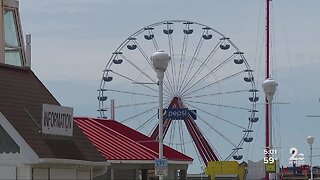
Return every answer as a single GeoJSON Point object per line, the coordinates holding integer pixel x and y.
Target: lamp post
{"type": "Point", "coordinates": [310, 141]}
{"type": "Point", "coordinates": [160, 61]}
{"type": "Point", "coordinates": [269, 87]}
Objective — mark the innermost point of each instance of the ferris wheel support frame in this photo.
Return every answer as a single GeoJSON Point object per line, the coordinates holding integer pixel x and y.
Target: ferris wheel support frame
{"type": "Point", "coordinates": [204, 148]}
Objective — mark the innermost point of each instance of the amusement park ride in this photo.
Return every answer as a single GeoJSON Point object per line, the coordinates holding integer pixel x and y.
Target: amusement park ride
{"type": "Point", "coordinates": [209, 89]}
{"type": "Point", "coordinates": [269, 86]}
{"type": "Point", "coordinates": [210, 95]}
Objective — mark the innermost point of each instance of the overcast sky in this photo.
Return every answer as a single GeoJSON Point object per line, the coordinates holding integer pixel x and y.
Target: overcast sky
{"type": "Point", "coordinates": [73, 39]}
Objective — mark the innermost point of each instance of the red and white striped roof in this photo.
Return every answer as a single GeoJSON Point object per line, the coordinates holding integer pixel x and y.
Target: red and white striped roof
{"type": "Point", "coordinates": [116, 141]}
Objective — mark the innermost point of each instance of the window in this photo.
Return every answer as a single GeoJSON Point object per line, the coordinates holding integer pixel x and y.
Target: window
{"type": "Point", "coordinates": [13, 45]}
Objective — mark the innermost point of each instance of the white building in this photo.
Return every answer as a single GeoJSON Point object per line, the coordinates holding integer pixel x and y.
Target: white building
{"type": "Point", "coordinates": [256, 170]}
{"type": "Point", "coordinates": [25, 151]}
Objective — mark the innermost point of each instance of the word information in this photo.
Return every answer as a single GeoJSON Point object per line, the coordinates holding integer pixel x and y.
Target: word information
{"type": "Point", "coordinates": [57, 120]}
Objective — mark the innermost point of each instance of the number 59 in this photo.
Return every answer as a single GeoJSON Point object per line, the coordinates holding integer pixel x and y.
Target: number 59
{"type": "Point", "coordinates": [268, 160]}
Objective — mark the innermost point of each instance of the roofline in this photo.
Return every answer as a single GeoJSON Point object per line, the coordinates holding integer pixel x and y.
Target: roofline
{"type": "Point", "coordinates": [28, 153]}
{"type": "Point", "coordinates": [146, 162]}
{"type": "Point", "coordinates": [73, 161]}
{"type": "Point", "coordinates": [92, 118]}
{"type": "Point", "coordinates": [28, 69]}
{"type": "Point", "coordinates": [180, 162]}
{"type": "Point", "coordinates": [22, 68]}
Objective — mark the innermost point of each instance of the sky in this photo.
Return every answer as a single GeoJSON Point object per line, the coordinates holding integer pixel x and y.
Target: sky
{"type": "Point", "coordinates": [72, 40]}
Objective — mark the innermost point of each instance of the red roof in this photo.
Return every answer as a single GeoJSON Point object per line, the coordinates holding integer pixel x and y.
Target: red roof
{"type": "Point", "coordinates": [116, 141]}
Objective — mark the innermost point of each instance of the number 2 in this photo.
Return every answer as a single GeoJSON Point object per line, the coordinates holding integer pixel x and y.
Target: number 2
{"type": "Point", "coordinates": [294, 152]}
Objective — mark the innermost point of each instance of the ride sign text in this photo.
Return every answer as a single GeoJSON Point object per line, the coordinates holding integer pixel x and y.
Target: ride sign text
{"type": "Point", "coordinates": [181, 113]}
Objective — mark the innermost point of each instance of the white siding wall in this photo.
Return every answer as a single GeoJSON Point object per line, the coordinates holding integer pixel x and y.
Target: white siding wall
{"type": "Point", "coordinates": [10, 159]}
{"type": "Point", "coordinates": [63, 174]}
{"type": "Point", "coordinates": [40, 174]}
{"type": "Point", "coordinates": [8, 172]}
{"type": "Point", "coordinates": [84, 174]}
{"type": "Point", "coordinates": [13, 168]}
{"type": "Point", "coordinates": [56, 173]}
{"type": "Point", "coordinates": [24, 172]}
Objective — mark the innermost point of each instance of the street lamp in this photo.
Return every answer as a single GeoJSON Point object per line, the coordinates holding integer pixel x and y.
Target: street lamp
{"type": "Point", "coordinates": [310, 141]}
{"type": "Point", "coordinates": [160, 61]}
{"type": "Point", "coordinates": [269, 87]}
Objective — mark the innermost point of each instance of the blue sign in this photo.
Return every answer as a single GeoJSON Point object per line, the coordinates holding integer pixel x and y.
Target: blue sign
{"type": "Point", "coordinates": [161, 162]}
{"type": "Point", "coordinates": [181, 113]}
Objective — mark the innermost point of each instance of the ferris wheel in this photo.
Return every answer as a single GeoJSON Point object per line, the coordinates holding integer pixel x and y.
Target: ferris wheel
{"type": "Point", "coordinates": [209, 90]}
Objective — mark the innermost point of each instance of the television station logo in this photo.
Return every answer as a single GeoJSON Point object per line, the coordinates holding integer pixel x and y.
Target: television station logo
{"type": "Point", "coordinates": [296, 158]}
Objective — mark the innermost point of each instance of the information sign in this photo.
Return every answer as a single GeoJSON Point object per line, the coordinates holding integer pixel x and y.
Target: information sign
{"type": "Point", "coordinates": [57, 120]}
